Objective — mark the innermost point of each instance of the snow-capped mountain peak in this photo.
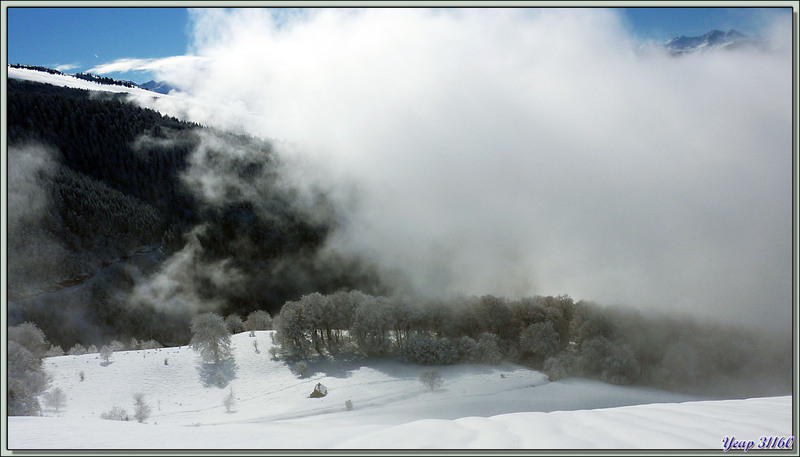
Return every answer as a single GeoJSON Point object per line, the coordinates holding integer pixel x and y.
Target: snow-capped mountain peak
{"type": "Point", "coordinates": [713, 40]}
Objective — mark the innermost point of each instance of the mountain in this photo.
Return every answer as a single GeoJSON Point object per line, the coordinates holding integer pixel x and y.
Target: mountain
{"type": "Point", "coordinates": [101, 192]}
{"type": "Point", "coordinates": [712, 40]}
{"type": "Point", "coordinates": [157, 86]}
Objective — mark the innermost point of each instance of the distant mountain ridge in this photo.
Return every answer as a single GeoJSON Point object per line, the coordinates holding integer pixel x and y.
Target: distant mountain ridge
{"type": "Point", "coordinates": [157, 86]}
{"type": "Point", "coordinates": [713, 40]}
{"type": "Point", "coordinates": [153, 86]}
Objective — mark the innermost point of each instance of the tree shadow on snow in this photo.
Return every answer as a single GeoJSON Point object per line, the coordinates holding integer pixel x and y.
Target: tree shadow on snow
{"type": "Point", "coordinates": [217, 374]}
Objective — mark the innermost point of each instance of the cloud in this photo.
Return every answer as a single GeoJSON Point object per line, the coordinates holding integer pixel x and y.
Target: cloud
{"type": "Point", "coordinates": [162, 68]}
{"type": "Point", "coordinates": [519, 152]}
{"type": "Point", "coordinates": [176, 288]}
{"type": "Point", "coordinates": [67, 67]}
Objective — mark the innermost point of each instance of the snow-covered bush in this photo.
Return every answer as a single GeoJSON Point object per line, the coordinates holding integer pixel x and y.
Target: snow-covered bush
{"type": "Point", "coordinates": [55, 399]}
{"type": "Point", "coordinates": [210, 337]}
{"type": "Point", "coordinates": [117, 413]}
{"type": "Point", "coordinates": [431, 379]}
{"type": "Point", "coordinates": [141, 410]}
{"type": "Point", "coordinates": [427, 349]}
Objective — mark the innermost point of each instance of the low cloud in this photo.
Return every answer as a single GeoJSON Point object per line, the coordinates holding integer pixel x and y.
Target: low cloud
{"type": "Point", "coordinates": [184, 285]}
{"type": "Point", "coordinates": [520, 152]}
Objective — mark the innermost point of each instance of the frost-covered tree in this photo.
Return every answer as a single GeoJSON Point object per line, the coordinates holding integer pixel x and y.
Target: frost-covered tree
{"type": "Point", "coordinates": [316, 319]}
{"type": "Point", "coordinates": [371, 325]}
{"type": "Point", "coordinates": [150, 344]}
{"type": "Point", "coordinates": [608, 360]}
{"type": "Point", "coordinates": [30, 337]}
{"type": "Point", "coordinates": [291, 331]}
{"type": "Point", "coordinates": [403, 318]}
{"type": "Point", "coordinates": [427, 349]}
{"type": "Point", "coordinates": [487, 349]}
{"type": "Point", "coordinates": [495, 316]}
{"type": "Point", "coordinates": [141, 409]}
{"type": "Point", "coordinates": [560, 366]}
{"type": "Point", "coordinates": [54, 351]}
{"type": "Point", "coordinates": [258, 320]}
{"type": "Point", "coordinates": [105, 352]}
{"type": "Point", "coordinates": [26, 380]}
{"type": "Point", "coordinates": [77, 349]}
{"type": "Point", "coordinates": [234, 323]}
{"type": "Point", "coordinates": [539, 341]}
{"type": "Point", "coordinates": [210, 337]}
{"type": "Point", "coordinates": [467, 349]}
{"type": "Point", "coordinates": [432, 379]}
{"type": "Point", "coordinates": [55, 399]}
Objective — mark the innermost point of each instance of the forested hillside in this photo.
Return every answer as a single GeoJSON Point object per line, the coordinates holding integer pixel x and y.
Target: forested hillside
{"type": "Point", "coordinates": [99, 185]}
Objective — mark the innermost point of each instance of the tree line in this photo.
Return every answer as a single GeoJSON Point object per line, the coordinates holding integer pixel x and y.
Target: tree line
{"type": "Point", "coordinates": [554, 334]}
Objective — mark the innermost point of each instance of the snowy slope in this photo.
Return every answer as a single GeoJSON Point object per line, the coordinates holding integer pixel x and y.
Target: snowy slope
{"type": "Point", "coordinates": [496, 407]}
{"type": "Point", "coordinates": [77, 83]}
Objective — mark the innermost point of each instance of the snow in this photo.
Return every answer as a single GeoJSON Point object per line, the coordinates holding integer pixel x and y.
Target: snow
{"type": "Point", "coordinates": [64, 80]}
{"type": "Point", "coordinates": [479, 406]}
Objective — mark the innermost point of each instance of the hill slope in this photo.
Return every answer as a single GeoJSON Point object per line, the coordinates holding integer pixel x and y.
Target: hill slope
{"type": "Point", "coordinates": [497, 407]}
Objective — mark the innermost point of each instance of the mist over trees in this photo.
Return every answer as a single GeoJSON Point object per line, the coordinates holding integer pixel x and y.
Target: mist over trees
{"type": "Point", "coordinates": [103, 193]}
{"type": "Point", "coordinates": [128, 225]}
{"type": "Point", "coordinates": [553, 334]}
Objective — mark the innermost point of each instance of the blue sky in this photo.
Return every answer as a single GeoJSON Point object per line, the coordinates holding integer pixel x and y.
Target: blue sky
{"type": "Point", "coordinates": [77, 39]}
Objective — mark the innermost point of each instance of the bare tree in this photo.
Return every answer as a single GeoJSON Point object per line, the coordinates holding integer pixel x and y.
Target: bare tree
{"type": "Point", "coordinates": [141, 409]}
{"type": "Point", "coordinates": [229, 401]}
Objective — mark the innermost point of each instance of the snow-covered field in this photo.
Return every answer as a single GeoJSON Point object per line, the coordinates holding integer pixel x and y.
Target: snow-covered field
{"type": "Point", "coordinates": [478, 406]}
